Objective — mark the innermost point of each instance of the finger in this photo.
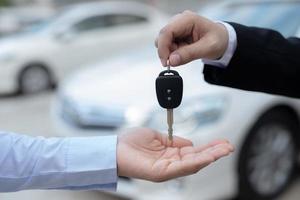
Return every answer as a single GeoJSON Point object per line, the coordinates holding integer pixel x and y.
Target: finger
{"type": "Point", "coordinates": [225, 145]}
{"type": "Point", "coordinates": [189, 166]}
{"type": "Point", "coordinates": [201, 160]}
{"type": "Point", "coordinates": [164, 43]}
{"type": "Point", "coordinates": [182, 44]}
{"type": "Point", "coordinates": [218, 151]}
{"type": "Point", "coordinates": [192, 163]}
{"type": "Point", "coordinates": [211, 144]}
{"type": "Point", "coordinates": [180, 26]}
{"type": "Point", "coordinates": [220, 146]}
{"type": "Point", "coordinates": [188, 53]}
{"type": "Point", "coordinates": [175, 17]}
{"type": "Point", "coordinates": [174, 47]}
{"type": "Point", "coordinates": [208, 147]}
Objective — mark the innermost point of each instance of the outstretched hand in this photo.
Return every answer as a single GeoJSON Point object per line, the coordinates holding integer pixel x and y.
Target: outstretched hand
{"type": "Point", "coordinates": [146, 154]}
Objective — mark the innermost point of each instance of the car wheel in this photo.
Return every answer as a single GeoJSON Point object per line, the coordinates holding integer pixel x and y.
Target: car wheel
{"type": "Point", "coordinates": [34, 79]}
{"type": "Point", "coordinates": [268, 157]}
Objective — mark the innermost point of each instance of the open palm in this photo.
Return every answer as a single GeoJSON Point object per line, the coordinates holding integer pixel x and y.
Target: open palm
{"type": "Point", "coordinates": [147, 154]}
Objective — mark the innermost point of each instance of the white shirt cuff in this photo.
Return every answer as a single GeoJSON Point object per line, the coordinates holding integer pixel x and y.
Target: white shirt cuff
{"type": "Point", "coordinates": [232, 44]}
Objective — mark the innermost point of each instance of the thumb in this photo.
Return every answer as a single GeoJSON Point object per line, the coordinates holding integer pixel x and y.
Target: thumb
{"type": "Point", "coordinates": [187, 53]}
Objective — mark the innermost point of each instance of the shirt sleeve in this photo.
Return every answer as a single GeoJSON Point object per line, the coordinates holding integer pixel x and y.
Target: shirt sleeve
{"type": "Point", "coordinates": [232, 43]}
{"type": "Point", "coordinates": [57, 163]}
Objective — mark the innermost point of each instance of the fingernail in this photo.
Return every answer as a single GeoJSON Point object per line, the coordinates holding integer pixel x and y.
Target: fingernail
{"type": "Point", "coordinates": [175, 59]}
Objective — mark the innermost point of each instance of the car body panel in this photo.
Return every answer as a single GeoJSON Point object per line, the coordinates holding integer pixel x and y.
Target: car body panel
{"type": "Point", "coordinates": [61, 49]}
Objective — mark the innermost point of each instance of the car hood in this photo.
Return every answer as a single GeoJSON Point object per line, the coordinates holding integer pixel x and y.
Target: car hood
{"type": "Point", "coordinates": [129, 80]}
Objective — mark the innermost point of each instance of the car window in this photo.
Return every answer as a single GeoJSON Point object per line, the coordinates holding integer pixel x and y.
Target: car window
{"type": "Point", "coordinates": [283, 17]}
{"type": "Point", "coordinates": [124, 19]}
{"type": "Point", "coordinates": [106, 21]}
{"type": "Point", "coordinates": [92, 23]}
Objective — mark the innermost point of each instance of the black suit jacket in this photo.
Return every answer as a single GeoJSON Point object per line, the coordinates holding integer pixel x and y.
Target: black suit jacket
{"type": "Point", "coordinates": [264, 61]}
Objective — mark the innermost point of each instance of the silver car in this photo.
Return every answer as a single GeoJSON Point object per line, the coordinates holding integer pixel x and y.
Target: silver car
{"type": "Point", "coordinates": [264, 128]}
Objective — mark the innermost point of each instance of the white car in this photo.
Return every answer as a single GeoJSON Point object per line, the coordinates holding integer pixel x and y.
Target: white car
{"type": "Point", "coordinates": [36, 59]}
{"type": "Point", "coordinates": [15, 19]}
{"type": "Point", "coordinates": [265, 129]}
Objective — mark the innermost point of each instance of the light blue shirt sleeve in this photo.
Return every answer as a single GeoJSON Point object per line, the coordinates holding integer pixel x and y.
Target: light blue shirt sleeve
{"type": "Point", "coordinates": [232, 44]}
{"type": "Point", "coordinates": [57, 163]}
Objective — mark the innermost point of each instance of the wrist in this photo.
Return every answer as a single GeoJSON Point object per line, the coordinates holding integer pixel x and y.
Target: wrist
{"type": "Point", "coordinates": [223, 40]}
{"type": "Point", "coordinates": [230, 45]}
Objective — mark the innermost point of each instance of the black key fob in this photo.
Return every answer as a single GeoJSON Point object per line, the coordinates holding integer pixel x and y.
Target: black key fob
{"type": "Point", "coordinates": [169, 89]}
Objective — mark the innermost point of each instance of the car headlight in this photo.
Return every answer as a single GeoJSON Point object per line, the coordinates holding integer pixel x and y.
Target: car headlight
{"type": "Point", "coordinates": [83, 114]}
{"type": "Point", "coordinates": [192, 114]}
{"type": "Point", "coordinates": [7, 57]}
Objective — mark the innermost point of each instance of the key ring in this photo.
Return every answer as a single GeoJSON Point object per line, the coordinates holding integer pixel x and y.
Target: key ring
{"type": "Point", "coordinates": [168, 65]}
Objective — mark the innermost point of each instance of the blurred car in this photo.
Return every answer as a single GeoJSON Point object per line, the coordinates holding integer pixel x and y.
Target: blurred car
{"type": "Point", "coordinates": [120, 92]}
{"type": "Point", "coordinates": [39, 57]}
{"type": "Point", "coordinates": [16, 19]}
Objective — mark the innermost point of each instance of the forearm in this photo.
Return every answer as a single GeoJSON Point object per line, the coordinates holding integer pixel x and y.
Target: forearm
{"type": "Point", "coordinates": [57, 163]}
{"type": "Point", "coordinates": [263, 61]}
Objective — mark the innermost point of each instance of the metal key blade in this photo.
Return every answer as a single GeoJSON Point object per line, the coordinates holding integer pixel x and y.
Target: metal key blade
{"type": "Point", "coordinates": [170, 123]}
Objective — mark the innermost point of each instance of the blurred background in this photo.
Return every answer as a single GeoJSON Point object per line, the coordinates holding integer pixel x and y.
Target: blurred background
{"type": "Point", "coordinates": [74, 68]}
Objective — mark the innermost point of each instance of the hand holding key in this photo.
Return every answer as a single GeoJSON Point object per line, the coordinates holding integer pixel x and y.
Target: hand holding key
{"type": "Point", "coordinates": [188, 37]}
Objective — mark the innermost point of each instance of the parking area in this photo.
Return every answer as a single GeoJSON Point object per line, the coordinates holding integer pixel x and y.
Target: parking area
{"type": "Point", "coordinates": [31, 115]}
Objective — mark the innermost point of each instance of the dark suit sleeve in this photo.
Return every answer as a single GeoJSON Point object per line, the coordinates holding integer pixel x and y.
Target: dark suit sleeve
{"type": "Point", "coordinates": [264, 61]}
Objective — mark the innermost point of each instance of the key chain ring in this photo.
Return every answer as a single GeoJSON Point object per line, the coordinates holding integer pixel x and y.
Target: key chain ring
{"type": "Point", "coordinates": [168, 65]}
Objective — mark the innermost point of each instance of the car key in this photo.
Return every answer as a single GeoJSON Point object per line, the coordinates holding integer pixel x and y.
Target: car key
{"type": "Point", "coordinates": [169, 90]}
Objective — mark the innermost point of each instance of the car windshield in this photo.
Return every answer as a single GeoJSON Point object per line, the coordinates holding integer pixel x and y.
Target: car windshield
{"type": "Point", "coordinates": [58, 20]}
{"type": "Point", "coordinates": [41, 25]}
{"type": "Point", "coordinates": [37, 27]}
{"type": "Point", "coordinates": [281, 16]}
